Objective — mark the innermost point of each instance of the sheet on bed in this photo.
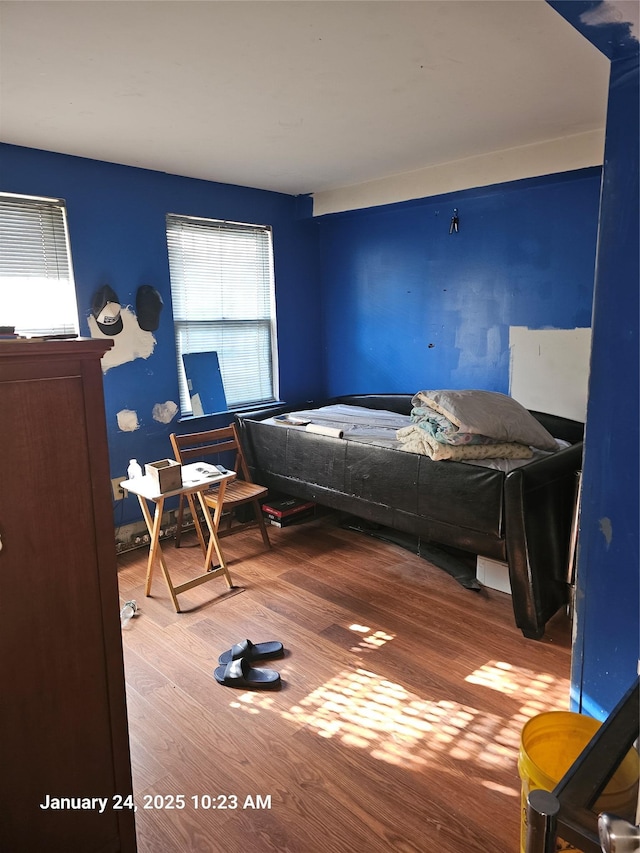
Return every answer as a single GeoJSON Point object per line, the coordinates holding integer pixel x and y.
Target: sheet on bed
{"type": "Point", "coordinates": [375, 425]}
{"type": "Point", "coordinates": [379, 427]}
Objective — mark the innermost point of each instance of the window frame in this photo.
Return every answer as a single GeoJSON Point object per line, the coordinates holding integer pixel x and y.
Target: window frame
{"type": "Point", "coordinates": [44, 244]}
{"type": "Point", "coordinates": [210, 323]}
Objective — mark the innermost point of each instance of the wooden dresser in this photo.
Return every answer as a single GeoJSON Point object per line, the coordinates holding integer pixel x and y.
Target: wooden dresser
{"type": "Point", "coordinates": [62, 693]}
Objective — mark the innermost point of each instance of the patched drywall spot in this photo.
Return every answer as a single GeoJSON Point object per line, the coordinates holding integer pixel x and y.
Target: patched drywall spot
{"type": "Point", "coordinates": [128, 420]}
{"type": "Point", "coordinates": [132, 342]}
{"type": "Point", "coordinates": [606, 529]}
{"type": "Point", "coordinates": [164, 413]}
{"type": "Point", "coordinates": [613, 12]}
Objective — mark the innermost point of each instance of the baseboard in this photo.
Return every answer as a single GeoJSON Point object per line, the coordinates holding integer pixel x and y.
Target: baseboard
{"type": "Point", "coordinates": [135, 535]}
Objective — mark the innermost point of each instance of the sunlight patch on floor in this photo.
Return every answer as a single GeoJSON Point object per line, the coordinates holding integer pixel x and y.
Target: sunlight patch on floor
{"type": "Point", "coordinates": [367, 711]}
{"type": "Point", "coordinates": [253, 702]}
{"type": "Point", "coordinates": [370, 639]}
{"type": "Point", "coordinates": [363, 710]}
{"type": "Point", "coordinates": [538, 691]}
{"type": "Point", "coordinates": [501, 789]}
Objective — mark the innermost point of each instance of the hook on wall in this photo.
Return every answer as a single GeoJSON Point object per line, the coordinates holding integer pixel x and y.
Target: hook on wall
{"type": "Point", "coordinates": [454, 227]}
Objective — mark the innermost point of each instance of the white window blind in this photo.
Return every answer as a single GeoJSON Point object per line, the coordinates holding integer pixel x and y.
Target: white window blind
{"type": "Point", "coordinates": [37, 291]}
{"type": "Point", "coordinates": [222, 289]}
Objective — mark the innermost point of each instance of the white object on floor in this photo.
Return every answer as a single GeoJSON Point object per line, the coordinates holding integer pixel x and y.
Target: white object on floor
{"type": "Point", "coordinates": [493, 574]}
{"type": "Point", "coordinates": [128, 612]}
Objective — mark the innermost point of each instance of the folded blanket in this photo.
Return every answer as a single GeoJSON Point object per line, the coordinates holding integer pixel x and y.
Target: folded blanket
{"type": "Point", "coordinates": [487, 413]}
{"type": "Point", "coordinates": [416, 440]}
{"type": "Point", "coordinates": [442, 429]}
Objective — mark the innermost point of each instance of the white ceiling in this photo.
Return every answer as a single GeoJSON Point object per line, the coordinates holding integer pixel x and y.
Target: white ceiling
{"type": "Point", "coordinates": [298, 96]}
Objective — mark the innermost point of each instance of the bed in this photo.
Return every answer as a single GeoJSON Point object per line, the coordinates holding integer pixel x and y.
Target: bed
{"type": "Point", "coordinates": [517, 511]}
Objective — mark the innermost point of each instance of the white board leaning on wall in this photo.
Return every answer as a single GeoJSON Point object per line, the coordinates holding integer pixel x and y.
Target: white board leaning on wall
{"type": "Point", "coordinates": [549, 370]}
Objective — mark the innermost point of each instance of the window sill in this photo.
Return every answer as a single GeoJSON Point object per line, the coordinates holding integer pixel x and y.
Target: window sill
{"type": "Point", "coordinates": [275, 404]}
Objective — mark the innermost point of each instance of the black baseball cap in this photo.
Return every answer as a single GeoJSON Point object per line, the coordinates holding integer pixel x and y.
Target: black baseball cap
{"type": "Point", "coordinates": [105, 307]}
{"type": "Point", "coordinates": [148, 307]}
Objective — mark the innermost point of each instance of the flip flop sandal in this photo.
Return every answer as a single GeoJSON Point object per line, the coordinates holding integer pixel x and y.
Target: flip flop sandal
{"type": "Point", "coordinates": [252, 652]}
{"type": "Point", "coordinates": [239, 673]}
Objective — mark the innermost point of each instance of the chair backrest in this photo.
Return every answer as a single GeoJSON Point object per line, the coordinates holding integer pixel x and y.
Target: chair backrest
{"type": "Point", "coordinates": [196, 446]}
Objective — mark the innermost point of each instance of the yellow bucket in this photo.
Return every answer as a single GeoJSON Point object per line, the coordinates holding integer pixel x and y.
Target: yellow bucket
{"type": "Point", "coordinates": [549, 745]}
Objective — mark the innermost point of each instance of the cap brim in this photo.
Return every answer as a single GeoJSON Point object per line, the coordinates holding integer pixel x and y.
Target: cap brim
{"type": "Point", "coordinates": [111, 329]}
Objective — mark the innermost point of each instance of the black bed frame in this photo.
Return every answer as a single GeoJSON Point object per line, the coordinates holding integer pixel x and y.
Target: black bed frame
{"type": "Point", "coordinates": [523, 518]}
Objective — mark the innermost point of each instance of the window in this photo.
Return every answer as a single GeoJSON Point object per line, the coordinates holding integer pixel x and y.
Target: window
{"type": "Point", "coordinates": [37, 292]}
{"type": "Point", "coordinates": [222, 289]}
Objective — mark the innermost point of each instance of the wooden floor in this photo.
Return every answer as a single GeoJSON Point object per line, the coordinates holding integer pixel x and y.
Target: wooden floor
{"type": "Point", "coordinates": [398, 723]}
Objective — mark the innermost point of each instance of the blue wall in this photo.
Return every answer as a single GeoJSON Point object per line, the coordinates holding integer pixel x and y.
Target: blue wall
{"type": "Point", "coordinates": [410, 306]}
{"type": "Point", "coordinates": [607, 636]}
{"type": "Point", "coordinates": [400, 304]}
{"type": "Point", "coordinates": [607, 648]}
{"type": "Point", "coordinates": [116, 218]}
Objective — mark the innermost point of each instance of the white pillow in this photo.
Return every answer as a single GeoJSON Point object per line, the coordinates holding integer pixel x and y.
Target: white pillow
{"type": "Point", "coordinates": [488, 413]}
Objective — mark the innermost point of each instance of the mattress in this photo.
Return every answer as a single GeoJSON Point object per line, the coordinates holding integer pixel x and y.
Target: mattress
{"type": "Point", "coordinates": [378, 427]}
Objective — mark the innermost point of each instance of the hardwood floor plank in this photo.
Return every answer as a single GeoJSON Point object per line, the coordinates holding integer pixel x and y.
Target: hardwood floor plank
{"type": "Point", "coordinates": [401, 809]}
{"type": "Point", "coordinates": [398, 723]}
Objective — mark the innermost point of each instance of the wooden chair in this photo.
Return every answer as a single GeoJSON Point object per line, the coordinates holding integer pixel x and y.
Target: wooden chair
{"type": "Point", "coordinates": [196, 447]}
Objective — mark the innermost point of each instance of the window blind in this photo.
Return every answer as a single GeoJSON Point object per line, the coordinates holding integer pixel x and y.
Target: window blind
{"type": "Point", "coordinates": [37, 292]}
{"type": "Point", "coordinates": [222, 291]}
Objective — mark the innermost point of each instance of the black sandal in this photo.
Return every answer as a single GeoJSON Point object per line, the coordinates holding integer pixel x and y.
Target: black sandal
{"type": "Point", "coordinates": [252, 652]}
{"type": "Point", "coordinates": [239, 673]}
